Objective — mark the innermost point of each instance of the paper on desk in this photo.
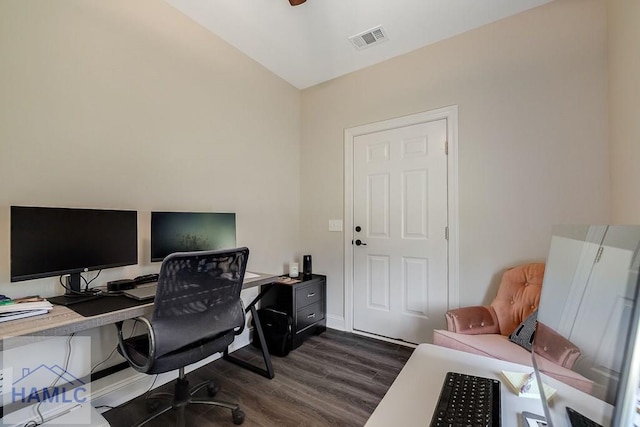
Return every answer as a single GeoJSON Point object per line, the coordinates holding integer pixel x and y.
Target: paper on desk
{"type": "Point", "coordinates": [516, 380]}
{"type": "Point", "coordinates": [5, 317]}
{"type": "Point", "coordinates": [25, 306]}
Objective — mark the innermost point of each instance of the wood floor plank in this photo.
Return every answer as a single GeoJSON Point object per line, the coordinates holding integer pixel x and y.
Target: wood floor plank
{"type": "Point", "coordinates": [333, 379]}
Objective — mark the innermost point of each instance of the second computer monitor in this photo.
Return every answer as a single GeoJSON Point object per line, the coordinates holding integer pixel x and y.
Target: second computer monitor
{"type": "Point", "coordinates": [191, 231]}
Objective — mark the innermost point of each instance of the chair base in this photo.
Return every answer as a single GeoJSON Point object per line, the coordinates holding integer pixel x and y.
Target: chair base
{"type": "Point", "coordinates": [183, 396]}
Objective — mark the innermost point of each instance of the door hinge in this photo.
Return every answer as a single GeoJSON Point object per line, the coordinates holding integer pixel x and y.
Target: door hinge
{"type": "Point", "coordinates": [599, 254]}
{"type": "Point", "coordinates": [446, 233]}
{"type": "Point", "coordinates": [446, 148]}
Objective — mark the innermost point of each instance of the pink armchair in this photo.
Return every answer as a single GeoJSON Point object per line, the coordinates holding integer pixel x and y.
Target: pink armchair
{"type": "Point", "coordinates": [485, 330]}
{"type": "Point", "coordinates": [518, 296]}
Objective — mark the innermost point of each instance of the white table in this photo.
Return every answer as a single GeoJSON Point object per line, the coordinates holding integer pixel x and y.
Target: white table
{"type": "Point", "coordinates": [411, 399]}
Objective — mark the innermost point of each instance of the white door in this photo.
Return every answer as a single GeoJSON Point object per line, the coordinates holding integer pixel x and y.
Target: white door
{"type": "Point", "coordinates": [400, 287]}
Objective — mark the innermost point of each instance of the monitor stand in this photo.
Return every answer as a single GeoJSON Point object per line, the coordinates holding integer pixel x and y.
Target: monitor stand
{"type": "Point", "coordinates": [74, 294]}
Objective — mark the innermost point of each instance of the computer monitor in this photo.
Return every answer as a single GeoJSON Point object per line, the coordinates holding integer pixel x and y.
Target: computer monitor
{"type": "Point", "coordinates": [49, 241]}
{"type": "Point", "coordinates": [590, 297]}
{"type": "Point", "coordinates": [191, 231]}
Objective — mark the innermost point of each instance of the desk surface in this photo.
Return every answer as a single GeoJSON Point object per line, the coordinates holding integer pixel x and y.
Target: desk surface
{"type": "Point", "coordinates": [412, 397]}
{"type": "Point", "coordinates": [64, 321]}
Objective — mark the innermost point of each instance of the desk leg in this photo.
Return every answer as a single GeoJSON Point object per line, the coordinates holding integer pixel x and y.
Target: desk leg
{"type": "Point", "coordinates": [268, 373]}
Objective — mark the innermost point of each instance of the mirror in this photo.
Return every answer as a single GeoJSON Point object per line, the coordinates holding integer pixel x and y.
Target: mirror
{"type": "Point", "coordinates": [589, 297]}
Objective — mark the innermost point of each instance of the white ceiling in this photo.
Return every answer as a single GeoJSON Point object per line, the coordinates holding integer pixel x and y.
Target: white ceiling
{"type": "Point", "coordinates": [308, 44]}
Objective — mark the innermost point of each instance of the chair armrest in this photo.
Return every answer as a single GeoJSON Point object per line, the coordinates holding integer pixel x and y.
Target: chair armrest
{"type": "Point", "coordinates": [127, 346]}
{"type": "Point", "coordinates": [239, 330]}
{"type": "Point", "coordinates": [473, 320]}
{"type": "Point", "coordinates": [554, 347]}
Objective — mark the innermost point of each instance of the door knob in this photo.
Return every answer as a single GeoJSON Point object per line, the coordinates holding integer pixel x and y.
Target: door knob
{"type": "Point", "coordinates": [360, 242]}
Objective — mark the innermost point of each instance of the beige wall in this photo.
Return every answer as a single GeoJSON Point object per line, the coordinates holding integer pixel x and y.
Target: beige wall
{"type": "Point", "coordinates": [532, 98]}
{"type": "Point", "coordinates": [129, 104]}
{"type": "Point", "coordinates": [623, 25]}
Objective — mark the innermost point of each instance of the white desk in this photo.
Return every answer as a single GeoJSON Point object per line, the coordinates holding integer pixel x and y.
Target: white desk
{"type": "Point", "coordinates": [412, 397]}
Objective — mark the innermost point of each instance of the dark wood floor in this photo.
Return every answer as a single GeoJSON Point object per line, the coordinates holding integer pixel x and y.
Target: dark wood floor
{"type": "Point", "coordinates": [333, 379]}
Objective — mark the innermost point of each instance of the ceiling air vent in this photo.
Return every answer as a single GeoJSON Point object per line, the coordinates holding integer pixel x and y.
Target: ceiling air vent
{"type": "Point", "coordinates": [368, 38]}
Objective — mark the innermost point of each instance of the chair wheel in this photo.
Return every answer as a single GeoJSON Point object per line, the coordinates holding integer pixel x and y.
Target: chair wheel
{"type": "Point", "coordinates": [238, 416]}
{"type": "Point", "coordinates": [152, 405]}
{"type": "Point", "coordinates": [212, 389]}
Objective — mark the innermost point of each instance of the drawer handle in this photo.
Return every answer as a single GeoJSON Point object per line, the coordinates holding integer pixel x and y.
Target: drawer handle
{"type": "Point", "coordinates": [311, 294]}
{"type": "Point", "coordinates": [311, 316]}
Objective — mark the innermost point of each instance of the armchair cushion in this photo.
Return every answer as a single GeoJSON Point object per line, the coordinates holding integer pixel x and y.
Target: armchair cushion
{"type": "Point", "coordinates": [518, 295]}
{"type": "Point", "coordinates": [491, 345]}
{"type": "Point", "coordinates": [473, 320]}
{"type": "Point", "coordinates": [554, 347]}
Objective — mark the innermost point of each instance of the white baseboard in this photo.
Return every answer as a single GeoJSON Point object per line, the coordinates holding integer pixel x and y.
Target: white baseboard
{"type": "Point", "coordinates": [381, 338]}
{"type": "Point", "coordinates": [335, 322]}
{"type": "Point", "coordinates": [123, 386]}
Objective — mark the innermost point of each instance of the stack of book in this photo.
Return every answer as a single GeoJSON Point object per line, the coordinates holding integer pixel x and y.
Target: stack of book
{"type": "Point", "coordinates": [11, 309]}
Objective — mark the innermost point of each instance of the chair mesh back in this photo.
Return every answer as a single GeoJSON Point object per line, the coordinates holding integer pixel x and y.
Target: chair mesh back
{"type": "Point", "coordinates": [198, 297]}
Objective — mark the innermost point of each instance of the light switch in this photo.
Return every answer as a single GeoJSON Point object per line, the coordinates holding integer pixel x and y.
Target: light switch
{"type": "Point", "coordinates": [335, 225]}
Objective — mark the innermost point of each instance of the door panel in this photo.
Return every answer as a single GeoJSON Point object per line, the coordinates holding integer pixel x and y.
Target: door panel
{"type": "Point", "coordinates": [416, 286]}
{"type": "Point", "coordinates": [414, 208]}
{"type": "Point", "coordinates": [378, 288]}
{"type": "Point", "coordinates": [400, 201]}
{"type": "Point", "coordinates": [378, 209]}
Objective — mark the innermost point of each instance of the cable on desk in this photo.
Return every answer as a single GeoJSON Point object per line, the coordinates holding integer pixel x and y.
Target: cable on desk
{"type": "Point", "coordinates": [81, 293]}
{"type": "Point", "coordinates": [86, 284]}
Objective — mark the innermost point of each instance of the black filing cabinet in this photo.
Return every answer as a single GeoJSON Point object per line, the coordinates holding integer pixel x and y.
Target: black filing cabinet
{"type": "Point", "coordinates": [305, 302]}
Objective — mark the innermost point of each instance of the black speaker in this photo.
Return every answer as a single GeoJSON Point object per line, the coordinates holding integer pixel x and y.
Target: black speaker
{"type": "Point", "coordinates": [277, 327]}
{"type": "Point", "coordinates": [306, 265]}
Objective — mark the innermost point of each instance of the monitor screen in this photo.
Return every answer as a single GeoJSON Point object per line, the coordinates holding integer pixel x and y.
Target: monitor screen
{"type": "Point", "coordinates": [589, 311]}
{"type": "Point", "coordinates": [55, 241]}
{"type": "Point", "coordinates": [191, 231]}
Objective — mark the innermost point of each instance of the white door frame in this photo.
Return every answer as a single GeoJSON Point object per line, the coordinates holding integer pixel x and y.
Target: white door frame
{"type": "Point", "coordinates": [451, 115]}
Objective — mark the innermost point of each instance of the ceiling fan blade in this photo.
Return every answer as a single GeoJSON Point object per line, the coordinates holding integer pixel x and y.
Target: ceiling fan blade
{"type": "Point", "coordinates": [296, 2]}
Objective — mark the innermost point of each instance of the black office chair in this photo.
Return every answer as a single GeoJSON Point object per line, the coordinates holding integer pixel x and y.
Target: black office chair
{"type": "Point", "coordinates": [197, 312]}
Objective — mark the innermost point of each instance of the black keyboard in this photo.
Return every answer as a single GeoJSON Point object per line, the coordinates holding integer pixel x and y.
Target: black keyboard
{"type": "Point", "coordinates": [147, 278]}
{"type": "Point", "coordinates": [576, 419]}
{"type": "Point", "coordinates": [467, 401]}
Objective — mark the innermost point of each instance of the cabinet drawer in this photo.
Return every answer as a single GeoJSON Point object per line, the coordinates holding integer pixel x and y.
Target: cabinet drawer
{"type": "Point", "coordinates": [309, 315]}
{"type": "Point", "coordinates": [308, 294]}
